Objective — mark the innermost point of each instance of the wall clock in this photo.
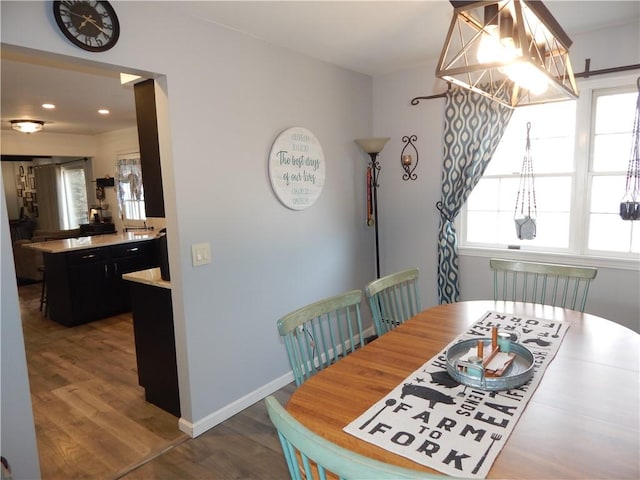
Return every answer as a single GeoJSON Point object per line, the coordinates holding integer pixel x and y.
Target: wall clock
{"type": "Point", "coordinates": [90, 25]}
{"type": "Point", "coordinates": [296, 168]}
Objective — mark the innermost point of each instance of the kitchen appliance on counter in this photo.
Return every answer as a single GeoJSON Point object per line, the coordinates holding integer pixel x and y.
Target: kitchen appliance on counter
{"type": "Point", "coordinates": [100, 214]}
{"type": "Point", "coordinates": [96, 228]}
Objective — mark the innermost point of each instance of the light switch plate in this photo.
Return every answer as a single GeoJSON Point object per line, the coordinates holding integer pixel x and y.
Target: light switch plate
{"type": "Point", "coordinates": [200, 254]}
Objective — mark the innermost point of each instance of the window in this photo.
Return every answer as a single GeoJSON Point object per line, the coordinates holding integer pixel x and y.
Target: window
{"type": "Point", "coordinates": [580, 155]}
{"type": "Point", "coordinates": [129, 187]}
{"type": "Point", "coordinates": [611, 145]}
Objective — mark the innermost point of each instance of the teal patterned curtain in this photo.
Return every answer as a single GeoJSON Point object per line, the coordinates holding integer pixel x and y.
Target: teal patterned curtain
{"type": "Point", "coordinates": [473, 127]}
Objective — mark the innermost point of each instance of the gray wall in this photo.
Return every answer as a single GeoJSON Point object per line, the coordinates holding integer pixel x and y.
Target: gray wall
{"type": "Point", "coordinates": [17, 436]}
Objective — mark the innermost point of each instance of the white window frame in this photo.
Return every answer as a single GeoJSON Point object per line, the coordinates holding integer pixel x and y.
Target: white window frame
{"type": "Point", "coordinates": [581, 194]}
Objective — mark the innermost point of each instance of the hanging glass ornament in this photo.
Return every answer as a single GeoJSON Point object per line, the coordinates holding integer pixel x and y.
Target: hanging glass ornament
{"type": "Point", "coordinates": [526, 210]}
{"type": "Point", "coordinates": [630, 204]}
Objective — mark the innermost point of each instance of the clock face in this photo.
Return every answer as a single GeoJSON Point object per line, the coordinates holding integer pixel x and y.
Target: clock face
{"type": "Point", "coordinates": [90, 25]}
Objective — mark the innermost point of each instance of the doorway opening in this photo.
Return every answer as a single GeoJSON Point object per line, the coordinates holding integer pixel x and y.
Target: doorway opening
{"type": "Point", "coordinates": [83, 380]}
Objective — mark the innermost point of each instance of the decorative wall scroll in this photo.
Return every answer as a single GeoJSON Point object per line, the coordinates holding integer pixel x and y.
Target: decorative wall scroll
{"type": "Point", "coordinates": [296, 168]}
{"type": "Point", "coordinates": [369, 186]}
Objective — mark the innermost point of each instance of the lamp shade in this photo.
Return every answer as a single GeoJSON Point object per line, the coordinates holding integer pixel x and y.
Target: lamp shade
{"type": "Point", "coordinates": [372, 145]}
{"type": "Point", "coordinates": [27, 126]}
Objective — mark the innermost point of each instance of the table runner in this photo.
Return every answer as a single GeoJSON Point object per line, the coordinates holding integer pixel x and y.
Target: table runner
{"type": "Point", "coordinates": [433, 420]}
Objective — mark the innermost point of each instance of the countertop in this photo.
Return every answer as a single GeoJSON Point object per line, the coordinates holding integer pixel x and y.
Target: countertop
{"type": "Point", "coordinates": [150, 276]}
{"type": "Point", "coordinates": [93, 241]}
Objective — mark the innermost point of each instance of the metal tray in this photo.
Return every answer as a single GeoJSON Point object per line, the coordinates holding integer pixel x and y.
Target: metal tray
{"type": "Point", "coordinates": [518, 373]}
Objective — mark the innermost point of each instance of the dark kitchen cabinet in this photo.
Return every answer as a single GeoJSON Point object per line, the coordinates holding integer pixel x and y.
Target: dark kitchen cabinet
{"type": "Point", "coordinates": [88, 279]}
{"type": "Point", "coordinates": [147, 120]}
{"type": "Point", "coordinates": [155, 345]}
{"type": "Point", "coordinates": [125, 258]}
{"type": "Point", "coordinates": [86, 285]}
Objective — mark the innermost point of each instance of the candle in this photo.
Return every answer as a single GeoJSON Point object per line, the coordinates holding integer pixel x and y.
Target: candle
{"type": "Point", "coordinates": [406, 160]}
{"type": "Point", "coordinates": [504, 341]}
{"type": "Point", "coordinates": [476, 369]}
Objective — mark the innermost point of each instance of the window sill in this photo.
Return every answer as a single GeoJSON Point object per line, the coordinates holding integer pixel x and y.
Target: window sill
{"type": "Point", "coordinates": [528, 255]}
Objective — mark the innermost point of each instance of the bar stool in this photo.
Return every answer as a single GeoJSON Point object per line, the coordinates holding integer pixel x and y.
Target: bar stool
{"type": "Point", "coordinates": [43, 292]}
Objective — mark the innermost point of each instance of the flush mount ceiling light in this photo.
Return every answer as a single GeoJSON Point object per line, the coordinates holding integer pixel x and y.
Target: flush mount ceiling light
{"type": "Point", "coordinates": [27, 126]}
{"type": "Point", "coordinates": [512, 51]}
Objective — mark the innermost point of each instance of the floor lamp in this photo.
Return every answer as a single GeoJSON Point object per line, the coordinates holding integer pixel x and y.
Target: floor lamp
{"type": "Point", "coordinates": [373, 146]}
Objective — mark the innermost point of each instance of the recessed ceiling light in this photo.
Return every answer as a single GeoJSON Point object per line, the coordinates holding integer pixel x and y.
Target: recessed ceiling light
{"type": "Point", "coordinates": [48, 106]}
{"type": "Point", "coordinates": [103, 111]}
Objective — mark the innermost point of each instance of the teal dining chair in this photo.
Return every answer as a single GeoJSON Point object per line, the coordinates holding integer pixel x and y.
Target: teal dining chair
{"type": "Point", "coordinates": [565, 286]}
{"type": "Point", "coordinates": [319, 334]}
{"type": "Point", "coordinates": [310, 456]}
{"type": "Point", "coordinates": [393, 299]}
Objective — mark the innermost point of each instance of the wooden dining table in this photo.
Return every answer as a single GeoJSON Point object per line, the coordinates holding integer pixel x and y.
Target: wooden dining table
{"type": "Point", "coordinates": [581, 422]}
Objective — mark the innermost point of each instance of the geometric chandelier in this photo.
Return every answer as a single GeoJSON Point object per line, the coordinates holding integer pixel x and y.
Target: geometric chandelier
{"type": "Point", "coordinates": [512, 51]}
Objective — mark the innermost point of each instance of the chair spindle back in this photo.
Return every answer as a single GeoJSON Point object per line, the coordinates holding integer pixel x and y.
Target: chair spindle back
{"type": "Point", "coordinates": [393, 299]}
{"type": "Point", "coordinates": [310, 456]}
{"type": "Point", "coordinates": [319, 334]}
{"type": "Point", "coordinates": [558, 285]}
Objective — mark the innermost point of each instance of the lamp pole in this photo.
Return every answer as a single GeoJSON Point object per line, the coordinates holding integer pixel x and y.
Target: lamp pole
{"type": "Point", "coordinates": [373, 146]}
{"type": "Point", "coordinates": [375, 171]}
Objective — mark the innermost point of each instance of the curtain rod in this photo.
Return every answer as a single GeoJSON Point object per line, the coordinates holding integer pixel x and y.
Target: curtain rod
{"type": "Point", "coordinates": [586, 74]}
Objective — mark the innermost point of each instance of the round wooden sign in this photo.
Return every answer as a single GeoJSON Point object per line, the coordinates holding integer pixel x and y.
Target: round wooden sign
{"type": "Point", "coordinates": [296, 168]}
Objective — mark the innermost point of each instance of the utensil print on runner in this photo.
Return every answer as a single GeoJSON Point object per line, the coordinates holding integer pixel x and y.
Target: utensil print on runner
{"type": "Point", "coordinates": [494, 437]}
{"type": "Point", "coordinates": [537, 341]}
{"type": "Point", "coordinates": [388, 403]}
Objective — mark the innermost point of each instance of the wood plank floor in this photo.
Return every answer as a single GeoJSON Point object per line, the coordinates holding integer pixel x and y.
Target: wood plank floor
{"type": "Point", "coordinates": [92, 421]}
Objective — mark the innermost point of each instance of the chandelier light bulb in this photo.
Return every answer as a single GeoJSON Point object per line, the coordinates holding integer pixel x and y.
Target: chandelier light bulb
{"type": "Point", "coordinates": [490, 49]}
{"type": "Point", "coordinates": [527, 76]}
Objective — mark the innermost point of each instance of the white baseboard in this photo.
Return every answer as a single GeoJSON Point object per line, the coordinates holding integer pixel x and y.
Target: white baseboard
{"type": "Point", "coordinates": [228, 411]}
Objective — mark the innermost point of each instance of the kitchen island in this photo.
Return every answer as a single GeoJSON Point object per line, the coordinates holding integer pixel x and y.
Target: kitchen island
{"type": "Point", "coordinates": [84, 275]}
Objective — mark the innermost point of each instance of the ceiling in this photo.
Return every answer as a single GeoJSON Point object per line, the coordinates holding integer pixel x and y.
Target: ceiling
{"type": "Point", "coordinates": [371, 37]}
